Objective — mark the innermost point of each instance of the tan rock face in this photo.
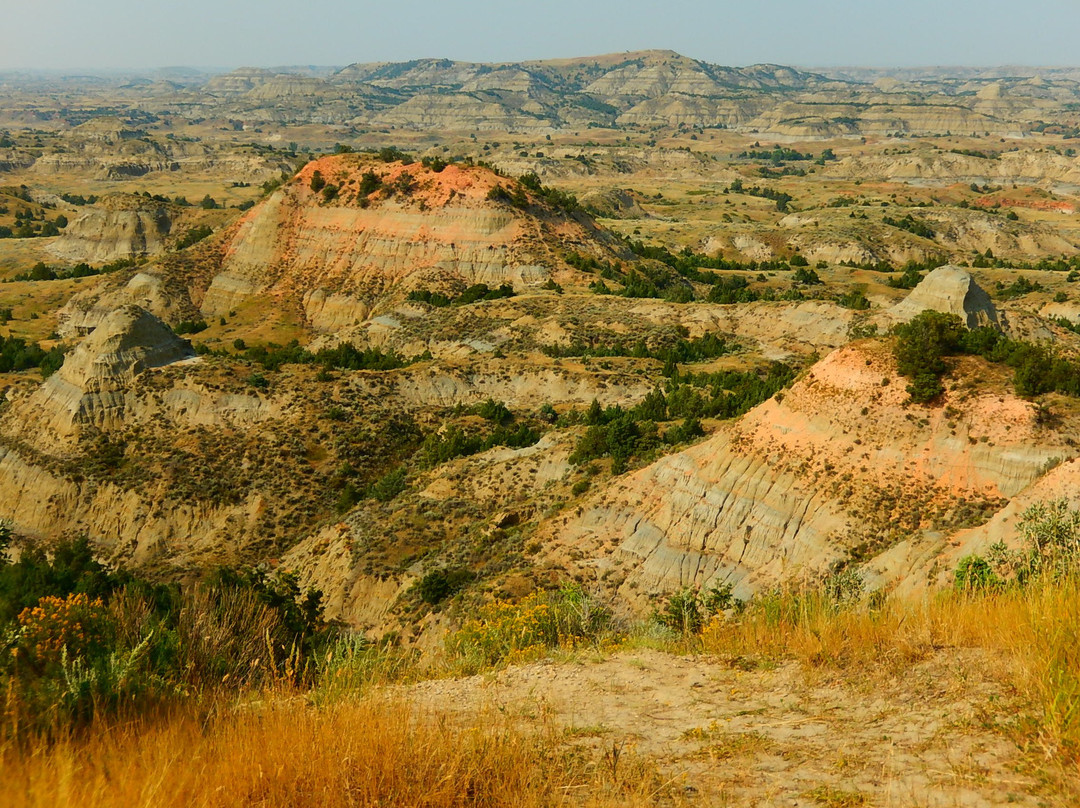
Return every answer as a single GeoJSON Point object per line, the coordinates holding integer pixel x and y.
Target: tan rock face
{"type": "Point", "coordinates": [362, 253]}
{"type": "Point", "coordinates": [1019, 167]}
{"type": "Point", "coordinates": [950, 290]}
{"type": "Point", "coordinates": [121, 227]}
{"type": "Point", "coordinates": [132, 526]}
{"type": "Point", "coordinates": [839, 468]}
{"type": "Point", "coordinates": [146, 289]}
{"type": "Point", "coordinates": [90, 388]}
{"type": "Point", "coordinates": [617, 203]}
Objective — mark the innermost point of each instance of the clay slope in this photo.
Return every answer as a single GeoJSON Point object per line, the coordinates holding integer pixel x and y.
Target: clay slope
{"type": "Point", "coordinates": [334, 259]}
{"type": "Point", "coordinates": [834, 470]}
{"type": "Point", "coordinates": [172, 461]}
{"type": "Point", "coordinates": [90, 387]}
{"type": "Point", "coordinates": [1018, 167]}
{"type": "Point", "coordinates": [120, 226]}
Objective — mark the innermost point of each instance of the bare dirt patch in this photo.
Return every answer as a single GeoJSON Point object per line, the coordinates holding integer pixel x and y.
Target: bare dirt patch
{"type": "Point", "coordinates": [725, 735]}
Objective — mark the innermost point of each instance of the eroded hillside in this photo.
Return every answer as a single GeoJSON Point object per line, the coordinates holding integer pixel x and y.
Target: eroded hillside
{"type": "Point", "coordinates": [348, 236]}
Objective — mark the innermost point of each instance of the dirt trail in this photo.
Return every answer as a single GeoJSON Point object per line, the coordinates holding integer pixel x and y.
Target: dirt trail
{"type": "Point", "coordinates": [776, 737]}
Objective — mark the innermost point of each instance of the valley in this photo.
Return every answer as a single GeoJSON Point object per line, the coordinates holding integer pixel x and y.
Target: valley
{"type": "Point", "coordinates": [579, 369]}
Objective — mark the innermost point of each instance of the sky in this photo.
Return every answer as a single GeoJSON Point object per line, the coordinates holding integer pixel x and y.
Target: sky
{"type": "Point", "coordinates": [123, 34]}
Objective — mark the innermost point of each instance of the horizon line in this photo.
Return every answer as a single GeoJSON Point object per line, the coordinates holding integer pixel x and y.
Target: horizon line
{"type": "Point", "coordinates": [84, 70]}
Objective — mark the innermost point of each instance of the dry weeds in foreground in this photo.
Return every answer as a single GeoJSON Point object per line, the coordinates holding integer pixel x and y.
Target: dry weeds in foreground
{"type": "Point", "coordinates": [1032, 635]}
{"type": "Point", "coordinates": [286, 753]}
{"type": "Point", "coordinates": [333, 746]}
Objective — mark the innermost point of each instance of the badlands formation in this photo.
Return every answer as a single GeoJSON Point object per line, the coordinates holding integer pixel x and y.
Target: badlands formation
{"type": "Point", "coordinates": [644, 406]}
{"type": "Point", "coordinates": [839, 469]}
{"type": "Point", "coordinates": [291, 344]}
{"type": "Point", "coordinates": [389, 229]}
{"type": "Point", "coordinates": [654, 88]}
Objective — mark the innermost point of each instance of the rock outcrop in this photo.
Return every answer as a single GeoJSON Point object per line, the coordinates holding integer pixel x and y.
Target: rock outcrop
{"type": "Point", "coordinates": [351, 235]}
{"type": "Point", "coordinates": [146, 289]}
{"type": "Point", "coordinates": [91, 388]}
{"type": "Point", "coordinates": [836, 469]}
{"type": "Point", "coordinates": [617, 203]}
{"type": "Point", "coordinates": [404, 227]}
{"type": "Point", "coordinates": [951, 290]}
{"type": "Point", "coordinates": [119, 227]}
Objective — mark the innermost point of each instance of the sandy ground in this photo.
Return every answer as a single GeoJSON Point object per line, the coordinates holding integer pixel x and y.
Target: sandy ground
{"type": "Point", "coordinates": [779, 737]}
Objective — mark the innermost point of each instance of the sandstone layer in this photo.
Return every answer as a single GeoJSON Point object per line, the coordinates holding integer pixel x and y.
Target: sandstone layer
{"type": "Point", "coordinates": [837, 469]}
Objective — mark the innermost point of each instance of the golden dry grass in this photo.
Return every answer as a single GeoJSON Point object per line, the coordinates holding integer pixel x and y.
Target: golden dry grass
{"type": "Point", "coordinates": [1032, 635]}
{"type": "Point", "coordinates": [346, 743]}
{"type": "Point", "coordinates": [283, 752]}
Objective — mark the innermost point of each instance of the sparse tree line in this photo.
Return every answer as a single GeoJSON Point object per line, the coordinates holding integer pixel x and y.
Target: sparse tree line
{"type": "Point", "coordinates": [43, 272]}
{"type": "Point", "coordinates": [628, 434]}
{"type": "Point", "coordinates": [472, 294]}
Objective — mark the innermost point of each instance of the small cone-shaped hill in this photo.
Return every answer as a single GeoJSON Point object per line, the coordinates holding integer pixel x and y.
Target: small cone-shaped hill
{"type": "Point", "coordinates": [951, 290]}
{"type": "Point", "coordinates": [128, 341]}
{"type": "Point", "coordinates": [91, 385]}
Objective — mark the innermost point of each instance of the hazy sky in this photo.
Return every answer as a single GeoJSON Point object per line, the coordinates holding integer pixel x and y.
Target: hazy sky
{"type": "Point", "coordinates": [227, 33]}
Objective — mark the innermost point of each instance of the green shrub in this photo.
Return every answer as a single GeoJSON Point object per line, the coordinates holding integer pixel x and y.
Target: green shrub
{"type": "Point", "coordinates": [389, 486]}
{"type": "Point", "coordinates": [974, 574]}
{"type": "Point", "coordinates": [439, 584]}
{"type": "Point", "coordinates": [472, 294]}
{"type": "Point", "coordinates": [504, 632]}
{"type": "Point", "coordinates": [856, 300]}
{"type": "Point", "coordinates": [193, 236]}
{"type": "Point", "coordinates": [1051, 533]}
{"type": "Point", "coordinates": [920, 347]}
{"type": "Point", "coordinates": [190, 327]}
{"type": "Point", "coordinates": [683, 612]}
{"type": "Point", "coordinates": [495, 411]}
{"type": "Point", "coordinates": [452, 442]}
{"type": "Point", "coordinates": [78, 642]}
{"type": "Point", "coordinates": [392, 154]}
{"type": "Point", "coordinates": [687, 610]}
{"type": "Point", "coordinates": [685, 432]}
{"type": "Point", "coordinates": [16, 354]}
{"type": "Point", "coordinates": [370, 182]}
{"type": "Point", "coordinates": [806, 276]}
{"type": "Point", "coordinates": [908, 279]}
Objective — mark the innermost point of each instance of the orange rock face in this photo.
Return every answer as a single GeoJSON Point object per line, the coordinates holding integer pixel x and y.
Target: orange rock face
{"type": "Point", "coordinates": [383, 230]}
{"type": "Point", "coordinates": [839, 467]}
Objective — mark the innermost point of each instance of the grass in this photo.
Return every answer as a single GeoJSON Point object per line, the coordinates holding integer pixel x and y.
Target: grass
{"type": "Point", "coordinates": [283, 752]}
{"type": "Point", "coordinates": [836, 798]}
{"type": "Point", "coordinates": [730, 745]}
{"type": "Point", "coordinates": [254, 731]}
{"type": "Point", "coordinates": [1030, 636]}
